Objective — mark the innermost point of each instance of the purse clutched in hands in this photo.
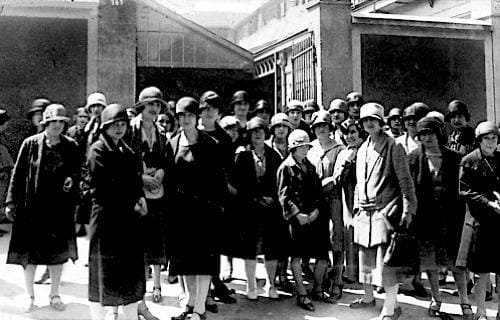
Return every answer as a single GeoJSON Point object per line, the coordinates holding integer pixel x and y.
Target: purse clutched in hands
{"type": "Point", "coordinates": [402, 250]}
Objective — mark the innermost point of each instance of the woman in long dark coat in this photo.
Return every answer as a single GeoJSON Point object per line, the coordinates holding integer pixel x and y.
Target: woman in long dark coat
{"type": "Point", "coordinates": [198, 187]}
{"type": "Point", "coordinates": [440, 212]}
{"type": "Point", "coordinates": [116, 256]}
{"type": "Point", "coordinates": [41, 196]}
{"type": "Point", "coordinates": [480, 186]}
{"type": "Point", "coordinates": [263, 230]}
{"type": "Point", "coordinates": [149, 142]}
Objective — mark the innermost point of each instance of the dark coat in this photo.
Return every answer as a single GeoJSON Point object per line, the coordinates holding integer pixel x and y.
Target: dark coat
{"type": "Point", "coordinates": [116, 257]}
{"type": "Point", "coordinates": [438, 223]}
{"type": "Point", "coordinates": [197, 190]}
{"type": "Point", "coordinates": [257, 222]}
{"type": "Point", "coordinates": [479, 177]}
{"type": "Point", "coordinates": [301, 192]}
{"type": "Point", "coordinates": [152, 226]}
{"type": "Point", "coordinates": [43, 232]}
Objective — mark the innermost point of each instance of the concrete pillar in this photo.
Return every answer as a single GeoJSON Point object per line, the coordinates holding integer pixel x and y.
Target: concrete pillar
{"type": "Point", "coordinates": [493, 113]}
{"type": "Point", "coordinates": [117, 42]}
{"type": "Point", "coordinates": [331, 22]}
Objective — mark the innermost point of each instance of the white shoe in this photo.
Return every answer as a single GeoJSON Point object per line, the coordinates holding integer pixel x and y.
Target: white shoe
{"type": "Point", "coordinates": [273, 294]}
{"type": "Point", "coordinates": [30, 305]}
{"type": "Point", "coordinates": [252, 294]}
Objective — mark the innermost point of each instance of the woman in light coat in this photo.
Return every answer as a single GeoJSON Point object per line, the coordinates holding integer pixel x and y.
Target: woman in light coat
{"type": "Point", "coordinates": [384, 187]}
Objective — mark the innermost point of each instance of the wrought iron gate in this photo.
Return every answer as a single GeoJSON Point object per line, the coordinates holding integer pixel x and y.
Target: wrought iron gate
{"type": "Point", "coordinates": [304, 69]}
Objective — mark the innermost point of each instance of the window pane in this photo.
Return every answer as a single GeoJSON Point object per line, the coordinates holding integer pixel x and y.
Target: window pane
{"type": "Point", "coordinates": [153, 49]}
{"type": "Point", "coordinates": [177, 49]}
{"type": "Point", "coordinates": [201, 53]}
{"type": "Point", "coordinates": [142, 49]}
{"type": "Point", "coordinates": [188, 50]}
{"type": "Point", "coordinates": [165, 50]}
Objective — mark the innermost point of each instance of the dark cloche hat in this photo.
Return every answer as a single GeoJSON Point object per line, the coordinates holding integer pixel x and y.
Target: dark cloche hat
{"type": "Point", "coordinates": [147, 95]}
{"type": "Point", "coordinates": [187, 104]}
{"type": "Point", "coordinates": [457, 107]}
{"type": "Point", "coordinates": [210, 98]}
{"type": "Point", "coordinates": [113, 113]}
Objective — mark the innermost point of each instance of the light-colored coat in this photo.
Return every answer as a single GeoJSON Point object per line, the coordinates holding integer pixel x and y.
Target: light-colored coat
{"type": "Point", "coordinates": [384, 188]}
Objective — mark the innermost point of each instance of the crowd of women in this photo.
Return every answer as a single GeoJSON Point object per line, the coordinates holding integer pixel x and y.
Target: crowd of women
{"type": "Point", "coordinates": [372, 198]}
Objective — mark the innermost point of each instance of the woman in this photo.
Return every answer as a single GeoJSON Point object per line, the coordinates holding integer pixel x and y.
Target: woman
{"type": "Point", "coordinates": [280, 129]}
{"type": "Point", "coordinates": [480, 187]}
{"type": "Point", "coordinates": [167, 121]}
{"type": "Point", "coordinates": [116, 256]}
{"type": "Point", "coordinates": [440, 212]}
{"type": "Point", "coordinates": [148, 141]}
{"type": "Point", "coordinates": [345, 176]}
{"type": "Point", "coordinates": [263, 229]}
{"type": "Point", "coordinates": [386, 200]}
{"type": "Point", "coordinates": [299, 191]}
{"type": "Point", "coordinates": [41, 197]}
{"type": "Point", "coordinates": [198, 187]}
{"type": "Point", "coordinates": [323, 155]}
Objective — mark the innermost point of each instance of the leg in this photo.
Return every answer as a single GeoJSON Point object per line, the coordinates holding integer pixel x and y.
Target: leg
{"type": "Point", "coordinates": [156, 283]}
{"type": "Point", "coordinates": [461, 280]}
{"type": "Point", "coordinates": [45, 276]}
{"type": "Point", "coordinates": [250, 267]}
{"type": "Point", "coordinates": [130, 311]}
{"type": "Point", "coordinates": [336, 274]}
{"type": "Point", "coordinates": [190, 286]}
{"type": "Point", "coordinates": [435, 305]}
{"type": "Point", "coordinates": [390, 300]}
{"type": "Point", "coordinates": [297, 275]}
{"type": "Point", "coordinates": [29, 277]}
{"type": "Point", "coordinates": [202, 285]}
{"type": "Point", "coordinates": [319, 274]}
{"type": "Point", "coordinates": [97, 311]}
{"type": "Point", "coordinates": [271, 266]}
{"type": "Point", "coordinates": [55, 275]}
{"type": "Point", "coordinates": [481, 293]}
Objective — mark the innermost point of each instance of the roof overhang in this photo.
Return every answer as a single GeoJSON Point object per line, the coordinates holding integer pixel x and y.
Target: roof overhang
{"type": "Point", "coordinates": [279, 45]}
{"type": "Point", "coordinates": [420, 21]}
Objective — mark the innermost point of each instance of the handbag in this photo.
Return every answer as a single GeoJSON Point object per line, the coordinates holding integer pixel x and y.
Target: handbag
{"type": "Point", "coordinates": [402, 250]}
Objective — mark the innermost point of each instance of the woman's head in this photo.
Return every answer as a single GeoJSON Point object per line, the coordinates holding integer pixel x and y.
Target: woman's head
{"type": "Point", "coordinates": [487, 136]}
{"type": "Point", "coordinates": [166, 121]}
{"type": "Point", "coordinates": [150, 103]}
{"type": "Point", "coordinates": [257, 130]}
{"type": "Point", "coordinates": [241, 104]}
{"type": "Point", "coordinates": [457, 114]}
{"type": "Point", "coordinates": [232, 126]}
{"type": "Point", "coordinates": [430, 132]}
{"type": "Point", "coordinates": [353, 133]}
{"type": "Point", "coordinates": [371, 117]}
{"type": "Point", "coordinates": [299, 144]}
{"type": "Point", "coordinates": [322, 124]}
{"type": "Point", "coordinates": [54, 119]}
{"type": "Point", "coordinates": [295, 111]}
{"type": "Point", "coordinates": [412, 114]}
{"type": "Point", "coordinates": [280, 126]}
{"type": "Point", "coordinates": [114, 121]}
{"type": "Point", "coordinates": [187, 110]}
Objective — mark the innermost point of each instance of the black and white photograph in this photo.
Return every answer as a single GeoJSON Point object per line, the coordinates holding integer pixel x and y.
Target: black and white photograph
{"type": "Point", "coordinates": [249, 159]}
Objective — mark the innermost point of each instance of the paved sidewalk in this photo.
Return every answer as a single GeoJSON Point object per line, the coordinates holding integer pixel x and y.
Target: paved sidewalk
{"type": "Point", "coordinates": [74, 294]}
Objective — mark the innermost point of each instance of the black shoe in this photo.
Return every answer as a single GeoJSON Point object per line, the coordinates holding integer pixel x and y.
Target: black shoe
{"type": "Point", "coordinates": [211, 307]}
{"type": "Point", "coordinates": [224, 298]}
{"type": "Point", "coordinates": [45, 277]}
{"type": "Point", "coordinates": [380, 290]}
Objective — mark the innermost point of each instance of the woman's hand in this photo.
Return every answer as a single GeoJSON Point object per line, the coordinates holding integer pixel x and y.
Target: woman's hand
{"type": "Point", "coordinates": [150, 182]}
{"type": "Point", "coordinates": [159, 175]}
{"type": "Point", "coordinates": [302, 218]}
{"type": "Point", "coordinates": [406, 219]}
{"type": "Point", "coordinates": [141, 206]}
{"type": "Point", "coordinates": [68, 184]}
{"type": "Point", "coordinates": [313, 215]}
{"type": "Point", "coordinates": [10, 211]}
{"type": "Point", "coordinates": [495, 206]}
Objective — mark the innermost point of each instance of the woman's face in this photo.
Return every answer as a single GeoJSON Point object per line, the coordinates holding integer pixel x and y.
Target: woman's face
{"type": "Point", "coordinates": [338, 116]}
{"type": "Point", "coordinates": [257, 136]}
{"type": "Point", "coordinates": [300, 153]}
{"type": "Point", "coordinates": [488, 143]}
{"type": "Point", "coordinates": [458, 121]}
{"type": "Point", "coordinates": [151, 110]}
{"type": "Point", "coordinates": [352, 136]}
{"type": "Point", "coordinates": [187, 121]}
{"type": "Point", "coordinates": [209, 114]}
{"type": "Point", "coordinates": [117, 130]}
{"type": "Point", "coordinates": [371, 125]}
{"type": "Point", "coordinates": [164, 121]}
{"type": "Point", "coordinates": [96, 110]}
{"type": "Point", "coordinates": [322, 131]}
{"type": "Point", "coordinates": [428, 139]}
{"type": "Point", "coordinates": [36, 118]}
{"type": "Point", "coordinates": [233, 132]}
{"type": "Point", "coordinates": [241, 109]}
{"type": "Point", "coordinates": [55, 128]}
{"type": "Point", "coordinates": [411, 125]}
{"type": "Point", "coordinates": [353, 109]}
{"type": "Point", "coordinates": [395, 123]}
{"type": "Point", "coordinates": [294, 116]}
{"type": "Point", "coordinates": [281, 131]}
